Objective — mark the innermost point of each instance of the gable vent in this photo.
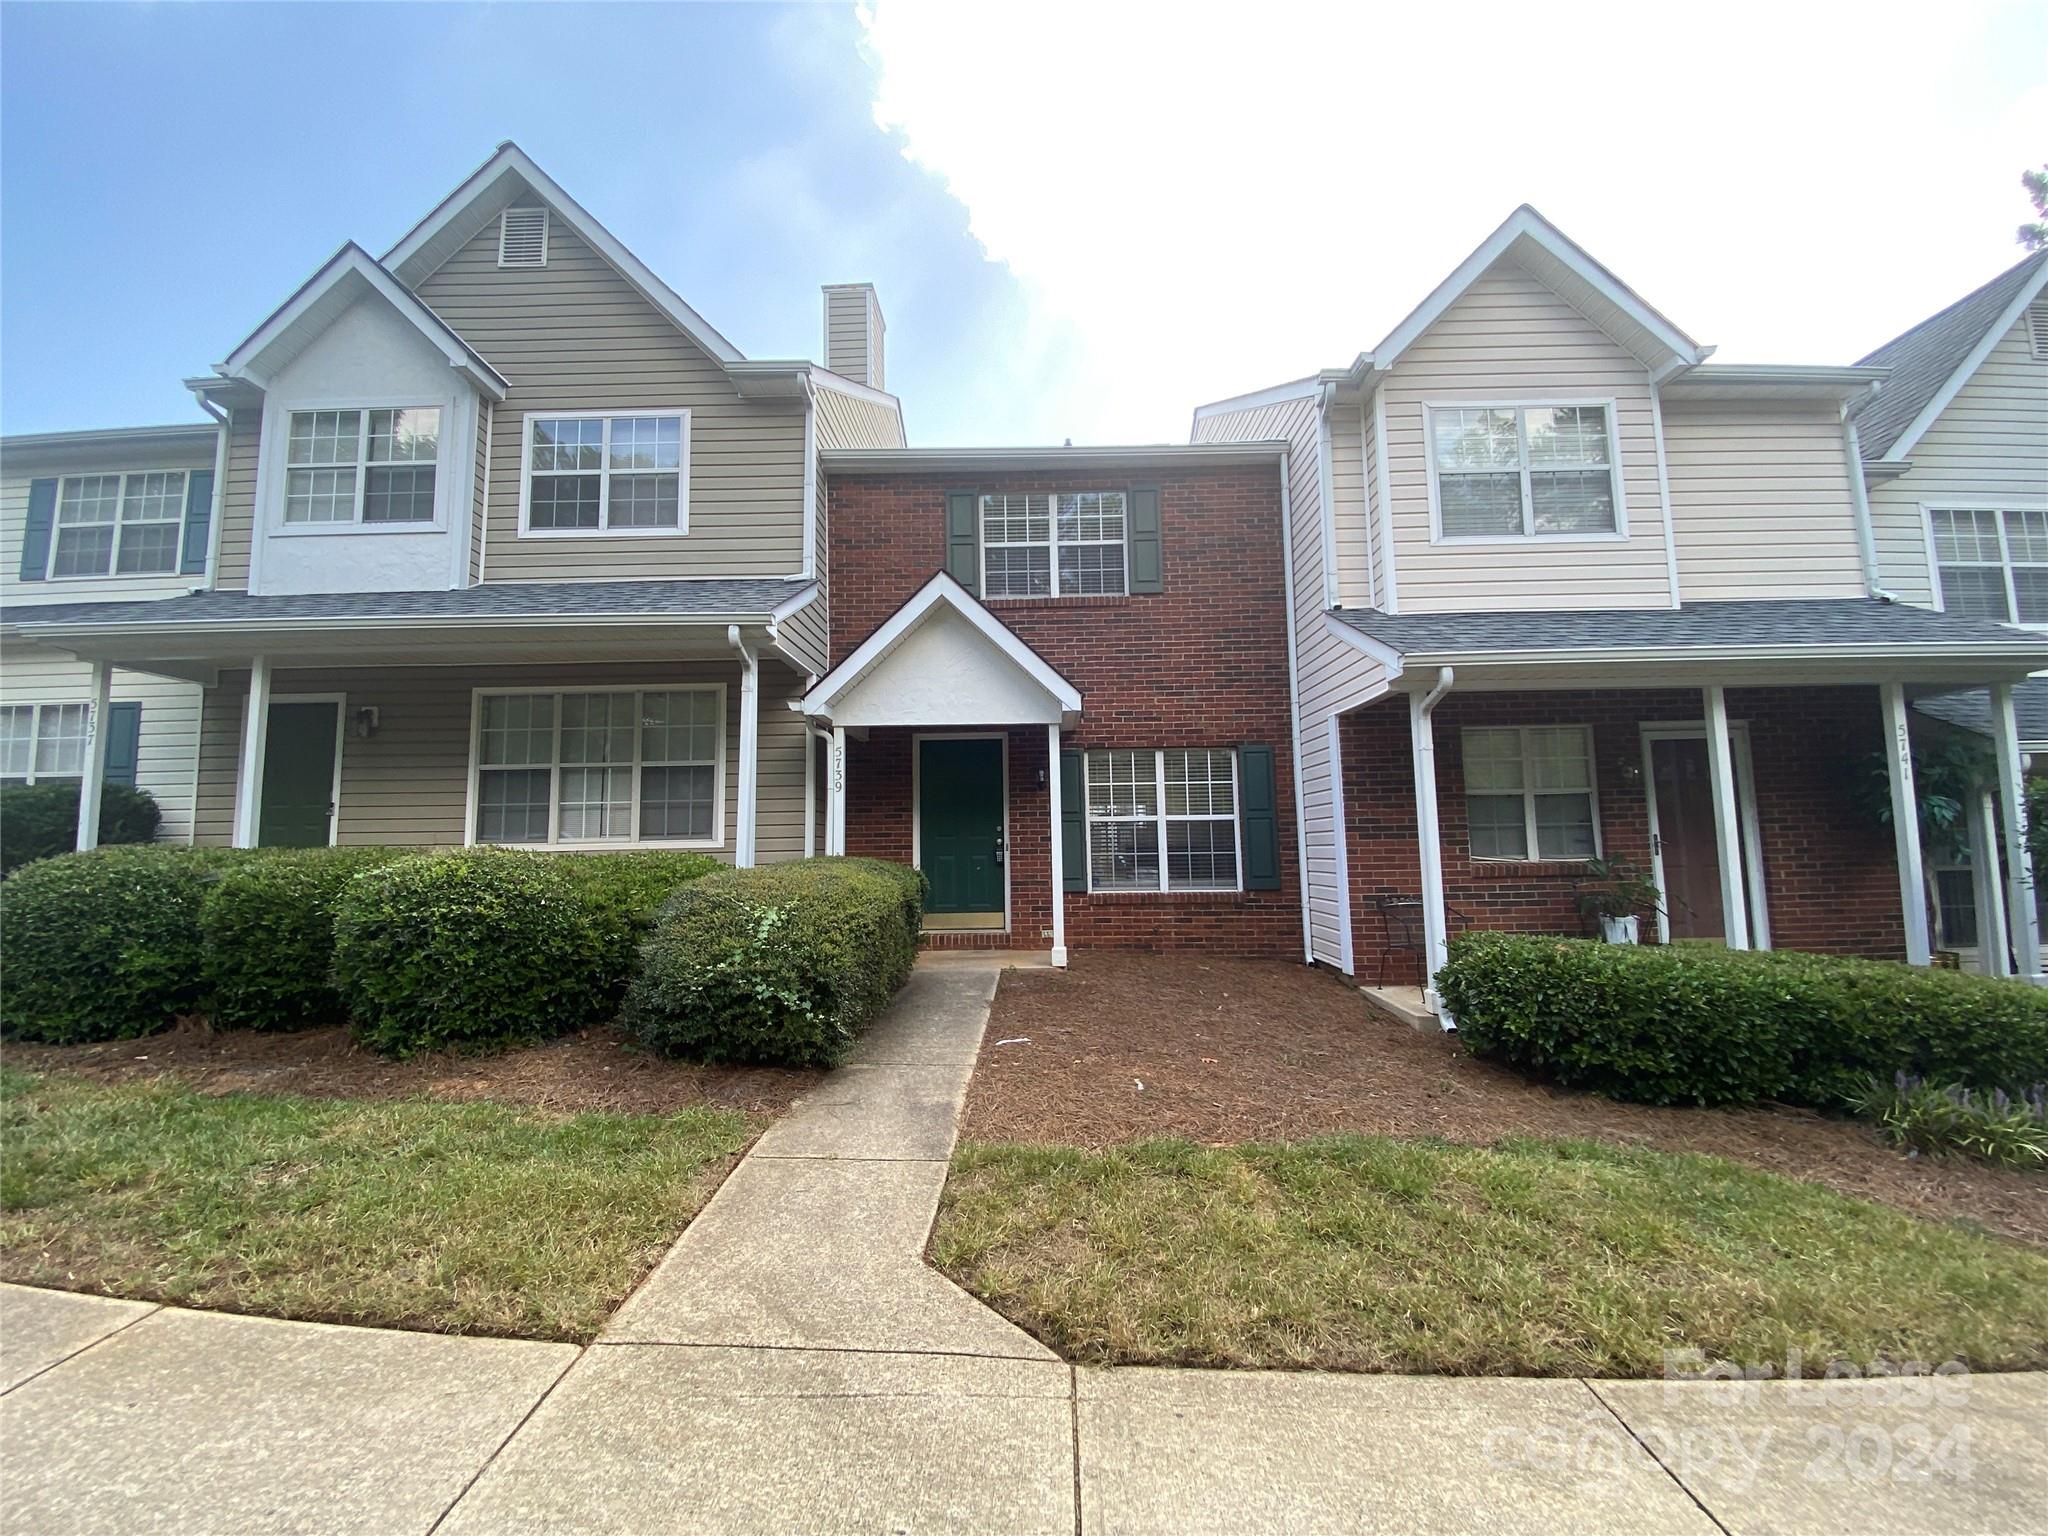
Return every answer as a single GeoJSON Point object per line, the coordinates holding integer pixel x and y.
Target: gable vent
{"type": "Point", "coordinates": [2037, 331]}
{"type": "Point", "coordinates": [523, 237]}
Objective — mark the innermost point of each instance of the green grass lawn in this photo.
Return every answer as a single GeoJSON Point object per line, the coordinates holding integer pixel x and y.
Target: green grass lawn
{"type": "Point", "coordinates": [1528, 1258]}
{"type": "Point", "coordinates": [463, 1218]}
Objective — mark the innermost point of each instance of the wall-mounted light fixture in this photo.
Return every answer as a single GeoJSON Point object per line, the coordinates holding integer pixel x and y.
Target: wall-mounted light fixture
{"type": "Point", "coordinates": [362, 721]}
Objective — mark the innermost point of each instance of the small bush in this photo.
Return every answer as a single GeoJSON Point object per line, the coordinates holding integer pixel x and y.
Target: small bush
{"type": "Point", "coordinates": [1994, 1126]}
{"type": "Point", "coordinates": [105, 945]}
{"type": "Point", "coordinates": [40, 821]}
{"type": "Point", "coordinates": [780, 965]}
{"type": "Point", "coordinates": [1702, 1025]}
{"type": "Point", "coordinates": [625, 890]}
{"type": "Point", "coordinates": [469, 951]}
{"type": "Point", "coordinates": [268, 926]}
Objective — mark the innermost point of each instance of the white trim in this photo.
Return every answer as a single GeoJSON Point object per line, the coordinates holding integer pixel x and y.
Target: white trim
{"type": "Point", "coordinates": [1999, 507]}
{"type": "Point", "coordinates": [750, 749]}
{"type": "Point", "coordinates": [1993, 931]}
{"type": "Point", "coordinates": [1052, 543]}
{"type": "Point", "coordinates": [1393, 661]}
{"type": "Point", "coordinates": [1163, 820]}
{"type": "Point", "coordinates": [1326, 482]}
{"type": "Point", "coordinates": [604, 530]}
{"type": "Point", "coordinates": [1664, 491]}
{"type": "Point", "coordinates": [249, 769]}
{"type": "Point", "coordinates": [1058, 859]}
{"type": "Point", "coordinates": [1384, 476]}
{"type": "Point", "coordinates": [340, 703]}
{"type": "Point", "coordinates": [1617, 482]}
{"type": "Point", "coordinates": [1529, 793]}
{"type": "Point", "coordinates": [940, 589]}
{"type": "Point", "coordinates": [1986, 345]}
{"type": "Point", "coordinates": [554, 766]}
{"type": "Point", "coordinates": [1905, 821]}
{"type": "Point", "coordinates": [1429, 839]}
{"type": "Point", "coordinates": [917, 741]}
{"type": "Point", "coordinates": [113, 572]}
{"type": "Point", "coordinates": [1651, 733]}
{"type": "Point", "coordinates": [1347, 961]}
{"type": "Point", "coordinates": [92, 772]}
{"type": "Point", "coordinates": [1727, 829]}
{"type": "Point", "coordinates": [1294, 742]}
{"type": "Point", "coordinates": [274, 466]}
{"type": "Point", "coordinates": [1277, 394]}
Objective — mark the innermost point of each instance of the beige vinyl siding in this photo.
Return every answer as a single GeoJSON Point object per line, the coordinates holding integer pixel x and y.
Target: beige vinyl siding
{"type": "Point", "coordinates": [853, 335]}
{"type": "Point", "coordinates": [167, 755]}
{"type": "Point", "coordinates": [575, 336]}
{"type": "Point", "coordinates": [1375, 553]}
{"type": "Point", "coordinates": [238, 499]}
{"type": "Point", "coordinates": [848, 420]}
{"type": "Point", "coordinates": [1989, 448]}
{"type": "Point", "coordinates": [478, 497]}
{"type": "Point", "coordinates": [1761, 499]}
{"type": "Point", "coordinates": [1332, 676]}
{"type": "Point", "coordinates": [804, 632]}
{"type": "Point", "coordinates": [1509, 338]}
{"type": "Point", "coordinates": [1347, 501]}
{"type": "Point", "coordinates": [22, 470]}
{"type": "Point", "coordinates": [408, 785]}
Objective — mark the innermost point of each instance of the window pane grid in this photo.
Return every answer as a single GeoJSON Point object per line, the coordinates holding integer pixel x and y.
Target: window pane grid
{"type": "Point", "coordinates": [369, 466]}
{"type": "Point", "coordinates": [1523, 471]}
{"type": "Point", "coordinates": [1529, 792]}
{"type": "Point", "coordinates": [1161, 820]}
{"type": "Point", "coordinates": [605, 472]}
{"type": "Point", "coordinates": [1992, 564]}
{"type": "Point", "coordinates": [1071, 544]}
{"type": "Point", "coordinates": [599, 766]}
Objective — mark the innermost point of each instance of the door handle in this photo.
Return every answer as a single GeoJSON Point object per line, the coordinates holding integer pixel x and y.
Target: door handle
{"type": "Point", "coordinates": [999, 849]}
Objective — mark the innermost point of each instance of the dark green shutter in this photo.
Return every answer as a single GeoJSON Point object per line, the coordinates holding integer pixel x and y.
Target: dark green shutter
{"type": "Point", "coordinates": [1258, 812]}
{"type": "Point", "coordinates": [124, 742]}
{"type": "Point", "coordinates": [198, 522]}
{"type": "Point", "coordinates": [1073, 824]}
{"type": "Point", "coordinates": [1147, 570]}
{"type": "Point", "coordinates": [963, 539]}
{"type": "Point", "coordinates": [35, 542]}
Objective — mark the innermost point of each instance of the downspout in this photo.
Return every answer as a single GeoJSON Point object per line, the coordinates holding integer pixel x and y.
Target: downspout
{"type": "Point", "coordinates": [1429, 830]}
{"type": "Point", "coordinates": [220, 481]}
{"type": "Point", "coordinates": [750, 738]}
{"type": "Point", "coordinates": [1859, 498]}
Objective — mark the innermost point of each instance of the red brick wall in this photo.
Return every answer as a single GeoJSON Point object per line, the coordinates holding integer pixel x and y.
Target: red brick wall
{"type": "Point", "coordinates": [1201, 664]}
{"type": "Point", "coordinates": [1830, 875]}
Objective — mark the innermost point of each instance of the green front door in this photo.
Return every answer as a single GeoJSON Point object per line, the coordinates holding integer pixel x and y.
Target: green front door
{"type": "Point", "coordinates": [298, 776]}
{"type": "Point", "coordinates": [960, 827]}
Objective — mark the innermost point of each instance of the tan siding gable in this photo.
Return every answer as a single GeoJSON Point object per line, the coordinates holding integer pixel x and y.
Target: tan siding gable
{"type": "Point", "coordinates": [575, 335]}
{"type": "Point", "coordinates": [853, 421]}
{"type": "Point", "coordinates": [238, 499]}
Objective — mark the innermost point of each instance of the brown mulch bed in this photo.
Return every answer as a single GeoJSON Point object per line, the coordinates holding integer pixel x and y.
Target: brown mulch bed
{"type": "Point", "coordinates": [1122, 1047]}
{"type": "Point", "coordinates": [593, 1069]}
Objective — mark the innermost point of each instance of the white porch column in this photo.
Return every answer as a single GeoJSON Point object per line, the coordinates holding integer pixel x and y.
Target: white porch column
{"type": "Point", "coordinates": [1435, 922]}
{"type": "Point", "coordinates": [835, 794]}
{"type": "Point", "coordinates": [810, 790]}
{"type": "Point", "coordinates": [1727, 829]}
{"type": "Point", "coordinates": [1906, 823]}
{"type": "Point", "coordinates": [2021, 910]}
{"type": "Point", "coordinates": [1990, 893]}
{"type": "Point", "coordinates": [249, 774]}
{"type": "Point", "coordinates": [1059, 852]}
{"type": "Point", "coordinates": [750, 750]}
{"type": "Point", "coordinates": [93, 773]}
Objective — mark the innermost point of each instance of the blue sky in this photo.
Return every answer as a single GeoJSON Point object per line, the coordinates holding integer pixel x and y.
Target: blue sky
{"type": "Point", "coordinates": [1079, 227]}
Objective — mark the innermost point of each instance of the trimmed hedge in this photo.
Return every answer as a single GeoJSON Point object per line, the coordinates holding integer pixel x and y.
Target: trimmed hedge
{"type": "Point", "coordinates": [782, 965]}
{"type": "Point", "coordinates": [105, 945]}
{"type": "Point", "coordinates": [1694, 1024]}
{"type": "Point", "coordinates": [268, 931]}
{"type": "Point", "coordinates": [625, 890]}
{"type": "Point", "coordinates": [40, 821]}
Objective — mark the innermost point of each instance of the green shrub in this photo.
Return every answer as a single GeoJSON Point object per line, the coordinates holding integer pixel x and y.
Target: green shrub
{"type": "Point", "coordinates": [40, 821]}
{"type": "Point", "coordinates": [105, 945]}
{"type": "Point", "coordinates": [268, 926]}
{"type": "Point", "coordinates": [780, 965]}
{"type": "Point", "coordinates": [1703, 1025]}
{"type": "Point", "coordinates": [469, 950]}
{"type": "Point", "coordinates": [624, 891]}
{"type": "Point", "coordinates": [1994, 1126]}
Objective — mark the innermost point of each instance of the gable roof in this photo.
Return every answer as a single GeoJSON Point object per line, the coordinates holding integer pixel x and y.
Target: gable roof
{"type": "Point", "coordinates": [493, 187]}
{"type": "Point", "coordinates": [1935, 359]}
{"type": "Point", "coordinates": [349, 275]}
{"type": "Point", "coordinates": [1972, 711]}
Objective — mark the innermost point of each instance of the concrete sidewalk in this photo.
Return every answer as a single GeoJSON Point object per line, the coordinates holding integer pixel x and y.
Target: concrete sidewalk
{"type": "Point", "coordinates": [793, 1365]}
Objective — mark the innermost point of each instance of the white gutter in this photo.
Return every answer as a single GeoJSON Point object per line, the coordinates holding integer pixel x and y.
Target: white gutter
{"type": "Point", "coordinates": [1308, 943]}
{"type": "Point", "coordinates": [1859, 498]}
{"type": "Point", "coordinates": [750, 745]}
{"type": "Point", "coordinates": [1325, 493]}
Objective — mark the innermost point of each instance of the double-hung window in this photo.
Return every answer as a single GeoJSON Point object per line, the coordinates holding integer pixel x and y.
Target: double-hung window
{"type": "Point", "coordinates": [361, 466]}
{"type": "Point", "coordinates": [1523, 471]}
{"type": "Point", "coordinates": [1529, 792]}
{"type": "Point", "coordinates": [1162, 820]}
{"type": "Point", "coordinates": [1993, 563]}
{"type": "Point", "coordinates": [1068, 545]}
{"type": "Point", "coordinates": [42, 741]}
{"type": "Point", "coordinates": [602, 766]}
{"type": "Point", "coordinates": [607, 473]}
{"type": "Point", "coordinates": [126, 525]}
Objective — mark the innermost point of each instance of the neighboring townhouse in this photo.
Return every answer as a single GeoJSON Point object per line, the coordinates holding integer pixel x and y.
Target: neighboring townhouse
{"type": "Point", "coordinates": [1564, 590]}
{"type": "Point", "coordinates": [1954, 452]}
{"type": "Point", "coordinates": [98, 517]}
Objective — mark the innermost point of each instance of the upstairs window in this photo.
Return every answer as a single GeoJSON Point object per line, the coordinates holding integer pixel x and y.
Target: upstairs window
{"type": "Point", "coordinates": [361, 466]}
{"type": "Point", "coordinates": [125, 525]}
{"type": "Point", "coordinates": [1162, 821]}
{"type": "Point", "coordinates": [1529, 792]}
{"type": "Point", "coordinates": [1523, 471]}
{"type": "Point", "coordinates": [1993, 563]}
{"type": "Point", "coordinates": [602, 473]}
{"type": "Point", "coordinates": [1068, 545]}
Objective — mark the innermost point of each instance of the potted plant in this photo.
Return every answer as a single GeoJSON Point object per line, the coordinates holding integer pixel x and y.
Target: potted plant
{"type": "Point", "coordinates": [1616, 892]}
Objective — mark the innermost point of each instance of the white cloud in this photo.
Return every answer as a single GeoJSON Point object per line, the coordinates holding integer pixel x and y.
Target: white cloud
{"type": "Point", "coordinates": [1200, 200]}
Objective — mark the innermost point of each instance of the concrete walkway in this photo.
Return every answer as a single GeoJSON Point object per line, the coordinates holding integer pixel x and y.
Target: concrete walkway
{"type": "Point", "coordinates": [793, 1366]}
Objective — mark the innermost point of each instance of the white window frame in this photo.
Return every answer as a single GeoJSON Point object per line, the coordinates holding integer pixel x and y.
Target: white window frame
{"type": "Point", "coordinates": [1999, 508]}
{"type": "Point", "coordinates": [280, 495]}
{"type": "Point", "coordinates": [35, 736]}
{"type": "Point", "coordinates": [1535, 855]}
{"type": "Point", "coordinates": [1052, 543]}
{"type": "Point", "coordinates": [113, 572]}
{"type": "Point", "coordinates": [1528, 535]}
{"type": "Point", "coordinates": [555, 840]}
{"type": "Point", "coordinates": [1162, 820]}
{"type": "Point", "coordinates": [603, 530]}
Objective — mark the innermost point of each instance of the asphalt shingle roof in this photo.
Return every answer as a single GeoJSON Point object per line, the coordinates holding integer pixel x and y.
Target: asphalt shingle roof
{"type": "Point", "coordinates": [1927, 356]}
{"type": "Point", "coordinates": [1781, 623]}
{"type": "Point", "coordinates": [500, 600]}
{"type": "Point", "coordinates": [1972, 711]}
